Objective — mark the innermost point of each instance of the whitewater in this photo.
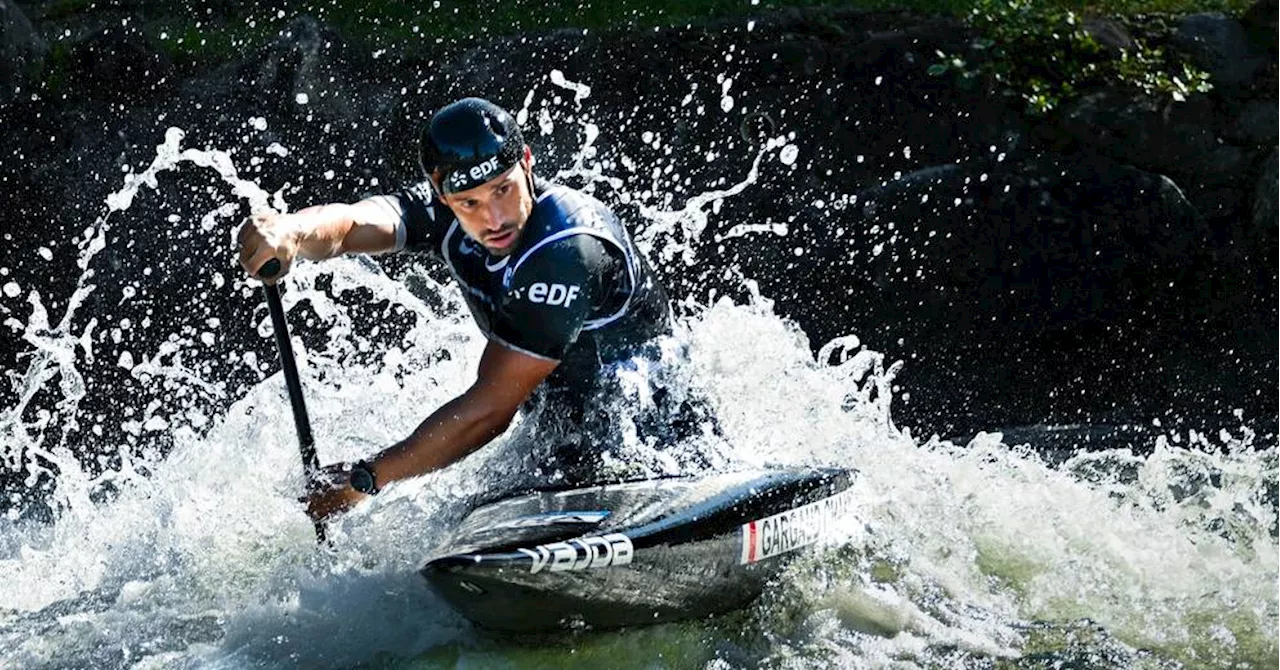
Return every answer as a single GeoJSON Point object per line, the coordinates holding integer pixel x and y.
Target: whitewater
{"type": "Point", "coordinates": [982, 554]}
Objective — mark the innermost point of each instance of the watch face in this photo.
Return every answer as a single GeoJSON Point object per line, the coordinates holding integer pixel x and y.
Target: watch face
{"type": "Point", "coordinates": [362, 479]}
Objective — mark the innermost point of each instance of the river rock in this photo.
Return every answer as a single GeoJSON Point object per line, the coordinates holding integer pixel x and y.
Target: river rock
{"type": "Point", "coordinates": [1176, 138]}
{"type": "Point", "coordinates": [1008, 230]}
{"type": "Point", "coordinates": [118, 61]}
{"type": "Point", "coordinates": [1219, 44]}
{"type": "Point", "coordinates": [305, 72]}
{"type": "Point", "coordinates": [1265, 196]}
{"type": "Point", "coordinates": [1110, 34]}
{"type": "Point", "coordinates": [1260, 23]}
{"type": "Point", "coordinates": [1044, 244]}
{"type": "Point", "coordinates": [22, 50]}
{"type": "Point", "coordinates": [1257, 122]}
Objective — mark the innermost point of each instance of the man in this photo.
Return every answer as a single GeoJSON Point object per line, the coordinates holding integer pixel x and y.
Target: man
{"type": "Point", "coordinates": [550, 275]}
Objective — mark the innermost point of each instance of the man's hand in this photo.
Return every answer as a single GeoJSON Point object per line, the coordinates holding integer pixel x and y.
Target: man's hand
{"type": "Point", "coordinates": [330, 492]}
{"type": "Point", "coordinates": [265, 236]}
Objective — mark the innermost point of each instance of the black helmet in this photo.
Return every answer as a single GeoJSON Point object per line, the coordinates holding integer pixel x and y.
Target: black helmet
{"type": "Point", "coordinates": [469, 142]}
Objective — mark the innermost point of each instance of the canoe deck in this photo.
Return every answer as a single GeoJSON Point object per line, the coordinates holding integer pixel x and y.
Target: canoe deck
{"type": "Point", "coordinates": [634, 553]}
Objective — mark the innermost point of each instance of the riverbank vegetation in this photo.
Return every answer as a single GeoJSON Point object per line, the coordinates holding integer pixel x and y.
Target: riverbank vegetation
{"type": "Point", "coordinates": [1043, 52]}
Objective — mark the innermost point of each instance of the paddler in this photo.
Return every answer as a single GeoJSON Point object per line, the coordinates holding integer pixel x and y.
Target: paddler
{"type": "Point", "coordinates": [553, 280]}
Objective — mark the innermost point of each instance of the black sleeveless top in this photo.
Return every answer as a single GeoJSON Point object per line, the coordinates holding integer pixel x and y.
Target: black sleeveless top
{"type": "Point", "coordinates": [575, 289]}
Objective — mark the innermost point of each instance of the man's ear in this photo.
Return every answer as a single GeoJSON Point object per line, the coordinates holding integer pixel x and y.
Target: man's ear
{"type": "Point", "coordinates": [434, 178]}
{"type": "Point", "coordinates": [527, 158]}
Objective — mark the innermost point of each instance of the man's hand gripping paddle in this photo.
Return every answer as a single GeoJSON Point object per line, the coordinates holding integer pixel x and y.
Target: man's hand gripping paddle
{"type": "Point", "coordinates": [306, 443]}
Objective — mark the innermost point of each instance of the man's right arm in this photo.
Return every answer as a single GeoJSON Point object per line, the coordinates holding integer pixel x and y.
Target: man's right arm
{"type": "Point", "coordinates": [321, 232]}
{"type": "Point", "coordinates": [366, 227]}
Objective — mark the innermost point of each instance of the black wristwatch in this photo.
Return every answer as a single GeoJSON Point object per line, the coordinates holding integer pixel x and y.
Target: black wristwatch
{"type": "Point", "coordinates": [362, 478]}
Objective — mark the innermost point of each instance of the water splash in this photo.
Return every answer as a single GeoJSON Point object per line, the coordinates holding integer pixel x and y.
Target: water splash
{"type": "Point", "coordinates": [681, 229]}
{"type": "Point", "coordinates": [54, 347]}
{"type": "Point", "coordinates": [965, 553]}
{"type": "Point", "coordinates": [580, 91]}
{"type": "Point", "coordinates": [590, 132]}
{"type": "Point", "coordinates": [671, 233]}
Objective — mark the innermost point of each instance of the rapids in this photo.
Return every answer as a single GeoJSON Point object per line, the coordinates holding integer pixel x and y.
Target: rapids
{"type": "Point", "coordinates": [960, 555]}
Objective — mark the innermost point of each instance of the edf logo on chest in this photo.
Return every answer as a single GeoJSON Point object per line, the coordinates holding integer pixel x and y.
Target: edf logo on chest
{"type": "Point", "coordinates": [553, 294]}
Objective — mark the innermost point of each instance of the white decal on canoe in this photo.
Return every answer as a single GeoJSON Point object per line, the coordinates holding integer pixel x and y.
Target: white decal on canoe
{"type": "Point", "coordinates": [581, 553]}
{"type": "Point", "coordinates": [553, 518]}
{"type": "Point", "coordinates": [794, 528]}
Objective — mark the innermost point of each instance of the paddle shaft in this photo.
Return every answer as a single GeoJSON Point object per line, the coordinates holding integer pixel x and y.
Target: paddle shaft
{"type": "Point", "coordinates": [306, 443]}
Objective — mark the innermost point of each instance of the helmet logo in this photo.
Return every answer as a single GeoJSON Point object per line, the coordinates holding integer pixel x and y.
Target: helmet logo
{"type": "Point", "coordinates": [478, 173]}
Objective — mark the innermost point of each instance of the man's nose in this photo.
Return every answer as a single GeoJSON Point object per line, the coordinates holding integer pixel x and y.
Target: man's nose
{"type": "Point", "coordinates": [493, 216]}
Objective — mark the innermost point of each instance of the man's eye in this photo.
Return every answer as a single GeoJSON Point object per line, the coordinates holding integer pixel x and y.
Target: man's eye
{"type": "Point", "coordinates": [504, 189]}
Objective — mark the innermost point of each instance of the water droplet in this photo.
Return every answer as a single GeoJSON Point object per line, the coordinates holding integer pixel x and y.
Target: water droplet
{"type": "Point", "coordinates": [789, 154]}
{"type": "Point", "coordinates": [580, 91]}
{"type": "Point", "coordinates": [12, 289]}
{"type": "Point", "coordinates": [302, 98]}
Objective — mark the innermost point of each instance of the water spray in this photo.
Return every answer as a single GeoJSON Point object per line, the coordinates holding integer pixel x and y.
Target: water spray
{"type": "Point", "coordinates": [280, 326]}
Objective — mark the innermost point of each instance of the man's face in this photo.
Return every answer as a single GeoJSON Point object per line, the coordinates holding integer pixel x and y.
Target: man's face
{"type": "Point", "coordinates": [494, 213]}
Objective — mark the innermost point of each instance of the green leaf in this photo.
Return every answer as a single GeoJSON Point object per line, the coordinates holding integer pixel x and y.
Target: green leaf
{"type": "Point", "coordinates": [937, 69]}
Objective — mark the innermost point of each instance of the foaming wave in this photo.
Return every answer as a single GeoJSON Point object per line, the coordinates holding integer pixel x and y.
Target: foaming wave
{"type": "Point", "coordinates": [981, 550]}
{"type": "Point", "coordinates": [986, 548]}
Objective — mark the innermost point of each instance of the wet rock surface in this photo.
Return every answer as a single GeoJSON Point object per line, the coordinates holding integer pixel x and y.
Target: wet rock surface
{"type": "Point", "coordinates": [22, 51]}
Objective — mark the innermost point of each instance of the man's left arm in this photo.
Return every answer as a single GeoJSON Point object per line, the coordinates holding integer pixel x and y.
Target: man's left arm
{"type": "Point", "coordinates": [544, 311]}
{"type": "Point", "coordinates": [506, 379]}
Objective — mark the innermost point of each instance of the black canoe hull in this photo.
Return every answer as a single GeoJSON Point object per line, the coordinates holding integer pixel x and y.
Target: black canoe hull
{"type": "Point", "coordinates": [634, 553]}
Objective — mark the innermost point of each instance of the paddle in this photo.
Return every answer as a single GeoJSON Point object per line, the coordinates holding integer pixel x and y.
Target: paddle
{"type": "Point", "coordinates": [306, 443]}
